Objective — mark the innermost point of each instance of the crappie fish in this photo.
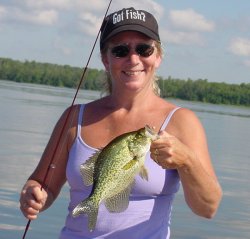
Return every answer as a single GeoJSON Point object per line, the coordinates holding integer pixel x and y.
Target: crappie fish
{"type": "Point", "coordinates": [112, 172]}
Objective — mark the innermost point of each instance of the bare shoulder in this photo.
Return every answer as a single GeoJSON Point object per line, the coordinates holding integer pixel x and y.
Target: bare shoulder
{"type": "Point", "coordinates": [186, 125]}
{"type": "Point", "coordinates": [184, 115]}
{"type": "Point", "coordinates": [71, 111]}
{"type": "Point", "coordinates": [69, 120]}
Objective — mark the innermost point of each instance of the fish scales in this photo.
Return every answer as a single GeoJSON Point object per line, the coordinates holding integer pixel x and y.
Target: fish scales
{"type": "Point", "coordinates": [112, 172]}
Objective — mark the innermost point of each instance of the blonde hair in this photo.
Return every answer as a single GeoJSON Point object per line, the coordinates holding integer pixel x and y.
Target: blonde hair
{"type": "Point", "coordinates": [108, 81]}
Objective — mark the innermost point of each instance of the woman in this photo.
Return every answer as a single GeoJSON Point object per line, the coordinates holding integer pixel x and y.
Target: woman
{"type": "Point", "coordinates": [131, 53]}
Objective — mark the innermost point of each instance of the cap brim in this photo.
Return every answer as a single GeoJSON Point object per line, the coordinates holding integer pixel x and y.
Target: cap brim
{"type": "Point", "coordinates": [137, 28]}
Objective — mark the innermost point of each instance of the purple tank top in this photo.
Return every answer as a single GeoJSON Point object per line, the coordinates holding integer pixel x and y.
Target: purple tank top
{"type": "Point", "coordinates": [150, 205]}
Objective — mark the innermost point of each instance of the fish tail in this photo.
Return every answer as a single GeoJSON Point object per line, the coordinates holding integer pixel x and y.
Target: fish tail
{"type": "Point", "coordinates": [90, 208]}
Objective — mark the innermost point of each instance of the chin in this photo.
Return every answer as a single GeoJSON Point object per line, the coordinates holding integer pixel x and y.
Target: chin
{"type": "Point", "coordinates": [133, 86]}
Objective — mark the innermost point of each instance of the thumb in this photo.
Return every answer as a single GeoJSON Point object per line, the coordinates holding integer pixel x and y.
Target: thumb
{"type": "Point", "coordinates": [39, 194]}
{"type": "Point", "coordinates": [164, 134]}
{"type": "Point", "coordinates": [163, 139]}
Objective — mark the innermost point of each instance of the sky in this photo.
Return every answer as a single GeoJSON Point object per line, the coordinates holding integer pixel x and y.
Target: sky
{"type": "Point", "coordinates": [201, 39]}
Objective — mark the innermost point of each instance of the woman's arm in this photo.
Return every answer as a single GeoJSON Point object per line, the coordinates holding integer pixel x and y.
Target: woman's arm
{"type": "Point", "coordinates": [32, 198]}
{"type": "Point", "coordinates": [187, 152]}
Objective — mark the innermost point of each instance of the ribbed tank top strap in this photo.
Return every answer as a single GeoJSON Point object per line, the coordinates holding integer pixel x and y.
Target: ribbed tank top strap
{"type": "Point", "coordinates": [80, 117]}
{"type": "Point", "coordinates": [164, 125]}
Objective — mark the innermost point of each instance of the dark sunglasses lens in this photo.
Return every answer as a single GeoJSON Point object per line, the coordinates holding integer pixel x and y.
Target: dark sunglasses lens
{"type": "Point", "coordinates": [144, 50]}
{"type": "Point", "coordinates": [120, 51]}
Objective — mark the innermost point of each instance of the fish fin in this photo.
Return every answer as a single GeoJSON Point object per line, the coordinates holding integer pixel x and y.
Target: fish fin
{"type": "Point", "coordinates": [130, 164]}
{"type": "Point", "coordinates": [143, 172]}
{"type": "Point", "coordinates": [90, 208]}
{"type": "Point", "coordinates": [87, 169]}
{"type": "Point", "coordinates": [119, 202]}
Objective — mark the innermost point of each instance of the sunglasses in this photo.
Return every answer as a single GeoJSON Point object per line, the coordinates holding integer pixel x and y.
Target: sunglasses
{"type": "Point", "coordinates": [142, 49]}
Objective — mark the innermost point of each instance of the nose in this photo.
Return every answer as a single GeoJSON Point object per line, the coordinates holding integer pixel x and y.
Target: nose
{"type": "Point", "coordinates": [133, 57]}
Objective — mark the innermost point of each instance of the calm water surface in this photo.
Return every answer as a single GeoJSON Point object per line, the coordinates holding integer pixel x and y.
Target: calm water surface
{"type": "Point", "coordinates": [27, 116]}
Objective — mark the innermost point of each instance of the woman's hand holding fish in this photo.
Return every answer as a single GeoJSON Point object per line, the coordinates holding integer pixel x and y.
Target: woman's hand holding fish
{"type": "Point", "coordinates": [169, 152]}
{"type": "Point", "coordinates": [195, 172]}
{"type": "Point", "coordinates": [32, 199]}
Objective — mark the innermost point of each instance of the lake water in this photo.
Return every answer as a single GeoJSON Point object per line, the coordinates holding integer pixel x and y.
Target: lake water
{"type": "Point", "coordinates": [27, 116]}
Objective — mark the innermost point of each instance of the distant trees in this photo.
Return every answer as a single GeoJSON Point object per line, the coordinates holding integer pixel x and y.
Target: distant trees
{"type": "Point", "coordinates": [204, 91]}
{"type": "Point", "coordinates": [68, 76]}
{"type": "Point", "coordinates": [48, 74]}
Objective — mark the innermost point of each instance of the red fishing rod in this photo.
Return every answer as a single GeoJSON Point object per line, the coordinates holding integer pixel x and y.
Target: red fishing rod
{"type": "Point", "coordinates": [51, 165]}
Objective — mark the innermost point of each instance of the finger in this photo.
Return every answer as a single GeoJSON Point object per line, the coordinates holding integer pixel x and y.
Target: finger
{"type": "Point", "coordinates": [24, 198]}
{"type": "Point", "coordinates": [29, 212]}
{"type": "Point", "coordinates": [159, 145]}
{"type": "Point", "coordinates": [28, 199]}
{"type": "Point", "coordinates": [31, 207]}
{"type": "Point", "coordinates": [25, 204]}
{"type": "Point", "coordinates": [154, 157]}
{"type": "Point", "coordinates": [163, 139]}
{"type": "Point", "coordinates": [39, 194]}
{"type": "Point", "coordinates": [32, 217]}
{"type": "Point", "coordinates": [164, 133]}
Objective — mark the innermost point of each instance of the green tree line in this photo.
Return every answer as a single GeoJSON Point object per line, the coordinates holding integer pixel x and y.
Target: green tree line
{"type": "Point", "coordinates": [68, 76]}
{"type": "Point", "coordinates": [49, 74]}
{"type": "Point", "coordinates": [204, 91]}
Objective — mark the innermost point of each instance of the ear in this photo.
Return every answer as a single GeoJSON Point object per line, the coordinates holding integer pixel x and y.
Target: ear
{"type": "Point", "coordinates": [158, 61]}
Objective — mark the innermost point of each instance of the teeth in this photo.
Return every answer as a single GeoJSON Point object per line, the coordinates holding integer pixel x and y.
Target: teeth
{"type": "Point", "coordinates": [132, 73]}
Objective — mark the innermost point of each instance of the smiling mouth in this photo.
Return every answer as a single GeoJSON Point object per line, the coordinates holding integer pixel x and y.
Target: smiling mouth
{"type": "Point", "coordinates": [132, 73]}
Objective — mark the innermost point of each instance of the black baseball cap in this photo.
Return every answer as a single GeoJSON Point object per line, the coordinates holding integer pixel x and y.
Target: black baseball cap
{"type": "Point", "coordinates": [129, 19]}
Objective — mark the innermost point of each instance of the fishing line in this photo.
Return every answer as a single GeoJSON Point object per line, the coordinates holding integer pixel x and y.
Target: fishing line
{"type": "Point", "coordinates": [51, 164]}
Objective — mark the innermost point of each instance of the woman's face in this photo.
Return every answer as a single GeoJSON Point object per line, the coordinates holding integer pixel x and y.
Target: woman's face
{"type": "Point", "coordinates": [132, 71]}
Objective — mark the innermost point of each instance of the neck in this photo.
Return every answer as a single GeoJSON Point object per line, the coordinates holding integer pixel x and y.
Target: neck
{"type": "Point", "coordinates": [130, 100]}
